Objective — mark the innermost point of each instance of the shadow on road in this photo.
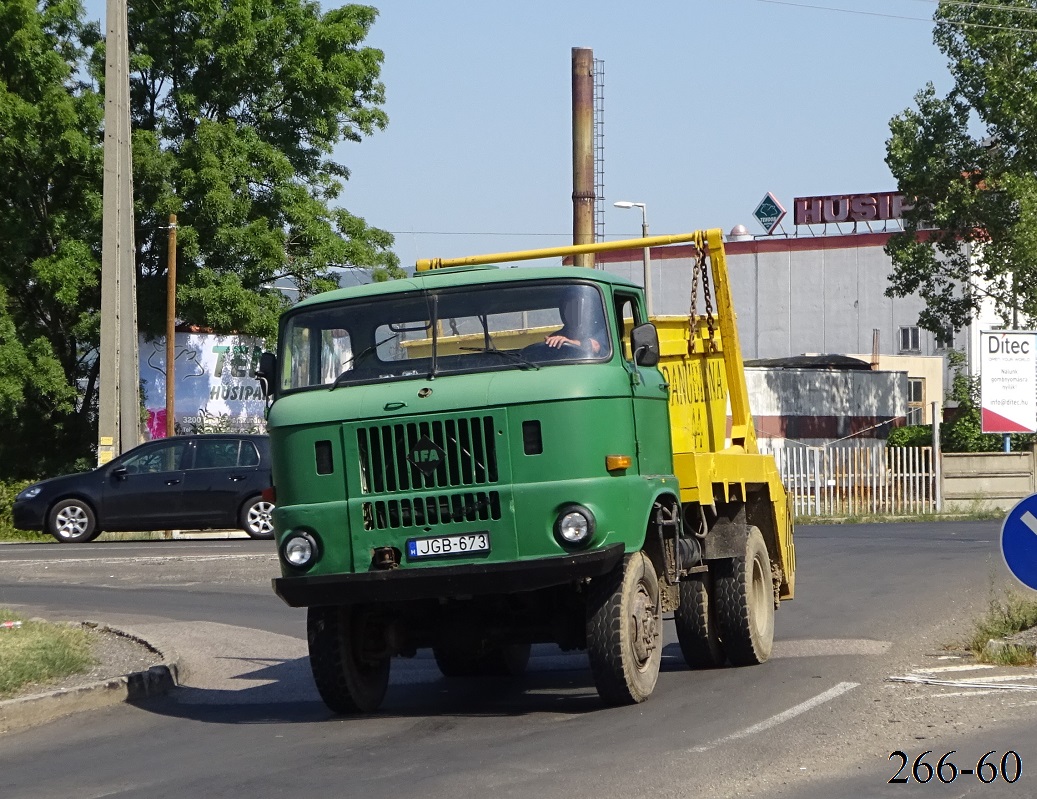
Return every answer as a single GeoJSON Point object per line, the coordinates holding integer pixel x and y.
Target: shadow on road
{"type": "Point", "coordinates": [283, 691]}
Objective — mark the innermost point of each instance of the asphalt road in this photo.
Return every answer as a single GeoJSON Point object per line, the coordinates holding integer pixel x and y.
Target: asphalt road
{"type": "Point", "coordinates": [821, 719]}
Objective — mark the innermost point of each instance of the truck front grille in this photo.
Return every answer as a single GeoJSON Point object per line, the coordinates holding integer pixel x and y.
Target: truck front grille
{"type": "Point", "coordinates": [396, 457]}
{"type": "Point", "coordinates": [432, 511]}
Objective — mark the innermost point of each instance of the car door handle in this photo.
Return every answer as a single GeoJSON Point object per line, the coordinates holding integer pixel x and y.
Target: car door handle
{"type": "Point", "coordinates": [172, 482]}
{"type": "Point", "coordinates": [236, 477]}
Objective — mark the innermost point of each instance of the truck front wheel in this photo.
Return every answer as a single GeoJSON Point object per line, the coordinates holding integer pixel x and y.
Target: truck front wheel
{"type": "Point", "coordinates": [745, 603]}
{"type": "Point", "coordinates": [624, 631]}
{"type": "Point", "coordinates": [695, 620]}
{"type": "Point", "coordinates": [351, 674]}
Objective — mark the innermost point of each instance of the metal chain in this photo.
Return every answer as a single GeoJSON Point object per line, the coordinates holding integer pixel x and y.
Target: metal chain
{"type": "Point", "coordinates": [709, 299]}
{"type": "Point", "coordinates": [693, 313]}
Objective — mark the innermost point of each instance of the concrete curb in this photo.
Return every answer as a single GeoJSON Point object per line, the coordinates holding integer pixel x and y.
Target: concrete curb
{"type": "Point", "coordinates": [30, 711]}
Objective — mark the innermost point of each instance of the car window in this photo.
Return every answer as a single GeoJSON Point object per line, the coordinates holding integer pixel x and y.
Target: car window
{"type": "Point", "coordinates": [164, 457]}
{"type": "Point", "coordinates": [248, 456]}
{"type": "Point", "coordinates": [224, 454]}
{"type": "Point", "coordinates": [216, 454]}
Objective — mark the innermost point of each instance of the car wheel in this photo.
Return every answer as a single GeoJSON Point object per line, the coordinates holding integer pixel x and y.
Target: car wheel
{"type": "Point", "coordinates": [256, 519]}
{"type": "Point", "coordinates": [72, 521]}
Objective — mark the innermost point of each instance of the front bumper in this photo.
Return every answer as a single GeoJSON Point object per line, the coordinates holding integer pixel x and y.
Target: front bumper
{"type": "Point", "coordinates": [445, 581]}
{"type": "Point", "coordinates": [27, 514]}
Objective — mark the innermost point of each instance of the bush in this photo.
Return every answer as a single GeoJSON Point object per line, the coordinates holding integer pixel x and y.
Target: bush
{"type": "Point", "coordinates": [918, 435]}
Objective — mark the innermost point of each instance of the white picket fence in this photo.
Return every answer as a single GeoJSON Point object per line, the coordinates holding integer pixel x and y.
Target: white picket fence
{"type": "Point", "coordinates": [858, 480]}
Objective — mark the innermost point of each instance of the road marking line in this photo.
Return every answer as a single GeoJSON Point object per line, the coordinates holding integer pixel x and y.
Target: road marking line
{"type": "Point", "coordinates": [964, 683]}
{"type": "Point", "coordinates": [942, 669]}
{"type": "Point", "coordinates": [782, 717]}
{"type": "Point", "coordinates": [143, 559]}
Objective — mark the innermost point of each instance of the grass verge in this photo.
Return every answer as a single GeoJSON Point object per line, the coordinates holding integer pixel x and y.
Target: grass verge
{"type": "Point", "coordinates": [39, 652]}
{"type": "Point", "coordinates": [1007, 614]}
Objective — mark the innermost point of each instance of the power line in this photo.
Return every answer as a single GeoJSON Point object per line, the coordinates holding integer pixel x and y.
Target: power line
{"type": "Point", "coordinates": [992, 6]}
{"type": "Point", "coordinates": [915, 19]}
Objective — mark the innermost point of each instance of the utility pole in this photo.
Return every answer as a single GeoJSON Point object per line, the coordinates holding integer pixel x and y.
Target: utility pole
{"type": "Point", "coordinates": [118, 423]}
{"type": "Point", "coordinates": [171, 328]}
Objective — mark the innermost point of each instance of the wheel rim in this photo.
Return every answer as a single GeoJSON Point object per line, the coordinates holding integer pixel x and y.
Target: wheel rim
{"type": "Point", "coordinates": [259, 519]}
{"type": "Point", "coordinates": [644, 626]}
{"type": "Point", "coordinates": [71, 522]}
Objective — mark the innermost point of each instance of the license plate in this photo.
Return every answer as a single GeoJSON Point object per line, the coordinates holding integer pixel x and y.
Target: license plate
{"type": "Point", "coordinates": [445, 545]}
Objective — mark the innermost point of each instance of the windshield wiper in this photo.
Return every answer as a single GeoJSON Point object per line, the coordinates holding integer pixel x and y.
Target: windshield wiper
{"type": "Point", "coordinates": [357, 358]}
{"type": "Point", "coordinates": [506, 354]}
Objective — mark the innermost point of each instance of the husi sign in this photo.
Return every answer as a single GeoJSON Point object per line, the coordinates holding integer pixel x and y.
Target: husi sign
{"type": "Point", "coordinates": [850, 208]}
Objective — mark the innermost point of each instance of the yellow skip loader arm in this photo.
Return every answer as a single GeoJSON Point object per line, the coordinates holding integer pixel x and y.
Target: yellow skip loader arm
{"type": "Point", "coordinates": [710, 473]}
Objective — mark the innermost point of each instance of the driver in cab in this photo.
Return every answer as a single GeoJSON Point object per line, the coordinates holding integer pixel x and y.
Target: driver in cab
{"type": "Point", "coordinates": [583, 326]}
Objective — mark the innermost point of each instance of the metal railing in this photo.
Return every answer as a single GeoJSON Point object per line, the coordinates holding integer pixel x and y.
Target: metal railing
{"type": "Point", "coordinates": [859, 479]}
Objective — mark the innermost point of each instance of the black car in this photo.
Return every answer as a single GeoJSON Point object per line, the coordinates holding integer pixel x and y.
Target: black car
{"type": "Point", "coordinates": [196, 482]}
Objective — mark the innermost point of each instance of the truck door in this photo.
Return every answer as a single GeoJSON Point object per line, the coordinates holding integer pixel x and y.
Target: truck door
{"type": "Point", "coordinates": [649, 393]}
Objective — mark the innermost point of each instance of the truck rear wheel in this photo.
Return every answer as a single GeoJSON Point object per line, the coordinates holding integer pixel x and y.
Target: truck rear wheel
{"type": "Point", "coordinates": [745, 603]}
{"type": "Point", "coordinates": [349, 678]}
{"type": "Point", "coordinates": [466, 660]}
{"type": "Point", "coordinates": [696, 623]}
{"type": "Point", "coordinates": [624, 631]}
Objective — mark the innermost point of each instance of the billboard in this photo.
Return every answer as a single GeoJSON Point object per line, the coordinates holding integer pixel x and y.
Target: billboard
{"type": "Point", "coordinates": [215, 389]}
{"type": "Point", "coordinates": [1008, 381]}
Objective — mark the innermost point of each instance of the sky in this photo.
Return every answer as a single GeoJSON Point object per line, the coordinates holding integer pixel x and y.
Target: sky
{"type": "Point", "coordinates": [708, 105]}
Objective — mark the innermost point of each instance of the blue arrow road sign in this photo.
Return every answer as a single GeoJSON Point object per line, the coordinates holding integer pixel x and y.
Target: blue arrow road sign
{"type": "Point", "coordinates": [1019, 541]}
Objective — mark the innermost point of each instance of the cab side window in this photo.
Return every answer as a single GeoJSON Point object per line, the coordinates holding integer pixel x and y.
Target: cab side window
{"type": "Point", "coordinates": [627, 318]}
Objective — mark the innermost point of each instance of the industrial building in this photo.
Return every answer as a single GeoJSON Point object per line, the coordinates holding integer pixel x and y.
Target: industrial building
{"type": "Point", "coordinates": [820, 295]}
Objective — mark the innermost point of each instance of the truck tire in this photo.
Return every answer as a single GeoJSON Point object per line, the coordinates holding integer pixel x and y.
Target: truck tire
{"type": "Point", "coordinates": [464, 660]}
{"type": "Point", "coordinates": [696, 623]}
{"type": "Point", "coordinates": [745, 603]}
{"type": "Point", "coordinates": [347, 680]}
{"type": "Point", "coordinates": [624, 631]}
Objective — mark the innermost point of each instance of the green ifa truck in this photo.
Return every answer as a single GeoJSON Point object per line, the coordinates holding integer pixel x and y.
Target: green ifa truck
{"type": "Point", "coordinates": [484, 457]}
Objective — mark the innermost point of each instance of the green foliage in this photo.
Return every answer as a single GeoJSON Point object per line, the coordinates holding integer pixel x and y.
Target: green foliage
{"type": "Point", "coordinates": [236, 109]}
{"type": "Point", "coordinates": [1007, 613]}
{"type": "Point", "coordinates": [38, 652]}
{"type": "Point", "coordinates": [970, 159]}
{"type": "Point", "coordinates": [918, 435]}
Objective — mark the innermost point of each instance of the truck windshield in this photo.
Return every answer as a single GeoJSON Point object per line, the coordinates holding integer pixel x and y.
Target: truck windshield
{"type": "Point", "coordinates": [418, 334]}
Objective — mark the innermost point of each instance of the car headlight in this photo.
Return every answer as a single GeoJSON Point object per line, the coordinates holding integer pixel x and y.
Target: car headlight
{"type": "Point", "coordinates": [574, 526]}
{"type": "Point", "coordinates": [29, 493]}
{"type": "Point", "coordinates": [299, 550]}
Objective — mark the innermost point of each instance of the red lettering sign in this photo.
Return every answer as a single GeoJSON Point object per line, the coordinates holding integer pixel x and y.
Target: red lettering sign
{"type": "Point", "coordinates": [850, 208]}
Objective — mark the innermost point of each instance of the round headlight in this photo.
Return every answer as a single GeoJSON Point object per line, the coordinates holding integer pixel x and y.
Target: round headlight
{"type": "Point", "coordinates": [575, 526]}
{"type": "Point", "coordinates": [299, 550]}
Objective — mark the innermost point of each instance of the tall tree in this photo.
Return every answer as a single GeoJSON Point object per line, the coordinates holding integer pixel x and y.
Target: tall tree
{"type": "Point", "coordinates": [237, 106]}
{"type": "Point", "coordinates": [970, 160]}
{"type": "Point", "coordinates": [50, 227]}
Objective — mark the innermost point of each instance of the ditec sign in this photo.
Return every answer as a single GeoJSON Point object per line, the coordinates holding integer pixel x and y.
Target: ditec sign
{"type": "Point", "coordinates": [1008, 381]}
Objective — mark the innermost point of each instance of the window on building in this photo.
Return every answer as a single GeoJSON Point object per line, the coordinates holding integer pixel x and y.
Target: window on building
{"type": "Point", "coordinates": [945, 339]}
{"type": "Point", "coordinates": [909, 339]}
{"type": "Point", "coordinates": [916, 400]}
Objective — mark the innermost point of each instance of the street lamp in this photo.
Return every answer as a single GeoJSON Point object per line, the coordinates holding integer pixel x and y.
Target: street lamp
{"type": "Point", "coordinates": [646, 254]}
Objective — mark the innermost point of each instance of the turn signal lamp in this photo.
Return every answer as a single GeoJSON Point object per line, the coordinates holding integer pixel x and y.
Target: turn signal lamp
{"type": "Point", "coordinates": [615, 463]}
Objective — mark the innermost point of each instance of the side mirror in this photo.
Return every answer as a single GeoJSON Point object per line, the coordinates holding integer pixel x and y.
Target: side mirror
{"type": "Point", "coordinates": [119, 472]}
{"type": "Point", "coordinates": [644, 343]}
{"type": "Point", "coordinates": [266, 372]}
